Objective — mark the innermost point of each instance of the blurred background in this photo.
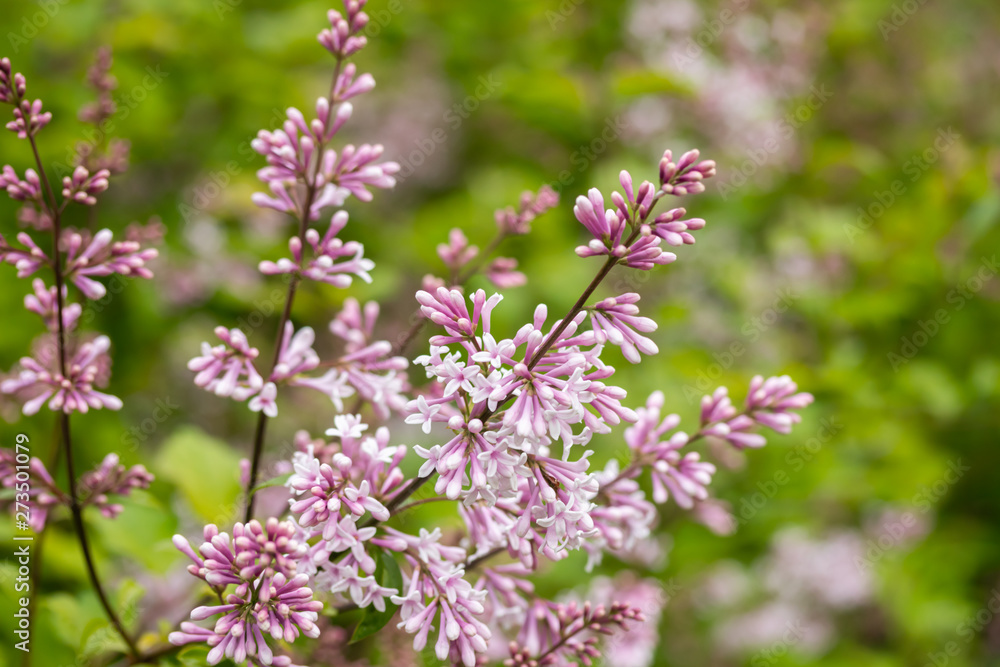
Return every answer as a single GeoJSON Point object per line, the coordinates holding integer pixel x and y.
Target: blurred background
{"type": "Point", "coordinates": [852, 243]}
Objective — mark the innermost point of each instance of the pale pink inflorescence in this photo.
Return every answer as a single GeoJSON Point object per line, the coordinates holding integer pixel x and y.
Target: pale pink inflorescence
{"type": "Point", "coordinates": [269, 595]}
{"type": "Point", "coordinates": [110, 478]}
{"type": "Point", "coordinates": [307, 176]}
{"type": "Point", "coordinates": [512, 414]}
{"type": "Point", "coordinates": [66, 385]}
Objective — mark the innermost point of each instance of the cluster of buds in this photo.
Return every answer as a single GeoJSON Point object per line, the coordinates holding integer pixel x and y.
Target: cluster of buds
{"type": "Point", "coordinates": [269, 596]}
{"type": "Point", "coordinates": [82, 186]}
{"type": "Point", "coordinates": [562, 639]}
{"type": "Point", "coordinates": [110, 478]}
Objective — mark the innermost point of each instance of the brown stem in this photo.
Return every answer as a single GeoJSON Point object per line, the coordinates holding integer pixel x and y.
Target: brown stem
{"type": "Point", "coordinates": [478, 560]}
{"type": "Point", "coordinates": [578, 306]}
{"type": "Point", "coordinates": [75, 509]}
{"type": "Point", "coordinates": [418, 323]}
{"type": "Point", "coordinates": [286, 313]}
{"type": "Point", "coordinates": [408, 490]}
{"type": "Point", "coordinates": [261, 430]}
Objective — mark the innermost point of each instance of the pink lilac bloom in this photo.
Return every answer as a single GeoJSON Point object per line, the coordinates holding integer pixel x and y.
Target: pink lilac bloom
{"type": "Point", "coordinates": [228, 369]}
{"type": "Point", "coordinates": [616, 320]}
{"type": "Point", "coordinates": [342, 38]}
{"type": "Point", "coordinates": [82, 186]}
{"type": "Point", "coordinates": [28, 116]}
{"type": "Point", "coordinates": [73, 392]}
{"type": "Point", "coordinates": [518, 221]}
{"type": "Point", "coordinates": [623, 517]}
{"type": "Point", "coordinates": [27, 260]}
{"type": "Point", "coordinates": [436, 588]}
{"type": "Point", "coordinates": [109, 478]}
{"type": "Point", "coordinates": [635, 647]}
{"type": "Point", "coordinates": [43, 304]}
{"type": "Point", "coordinates": [687, 175]}
{"type": "Point", "coordinates": [336, 487]}
{"type": "Point", "coordinates": [102, 258]}
{"type": "Point", "coordinates": [503, 273]}
{"type": "Point", "coordinates": [715, 515]}
{"type": "Point", "coordinates": [296, 357]}
{"type": "Point", "coordinates": [368, 366]}
{"type": "Point", "coordinates": [457, 252]}
{"type": "Point", "coordinates": [769, 403]}
{"type": "Point", "coordinates": [334, 262]}
{"type": "Point", "coordinates": [681, 475]}
{"type": "Point", "coordinates": [112, 478]}
{"type": "Point", "coordinates": [29, 189]}
{"type": "Point", "coordinates": [305, 176]}
{"type": "Point", "coordinates": [512, 414]}
{"type": "Point", "coordinates": [270, 596]}
{"type": "Point", "coordinates": [557, 633]}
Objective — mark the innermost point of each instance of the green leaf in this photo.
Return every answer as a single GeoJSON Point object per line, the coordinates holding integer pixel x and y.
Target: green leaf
{"type": "Point", "coordinates": [205, 470]}
{"type": "Point", "coordinates": [99, 636]}
{"type": "Point", "coordinates": [647, 82]}
{"type": "Point", "coordinates": [68, 616]}
{"type": "Point", "coordinates": [194, 656]}
{"type": "Point", "coordinates": [274, 481]}
{"type": "Point", "coordinates": [130, 595]}
{"type": "Point", "coordinates": [386, 574]}
{"type": "Point", "coordinates": [142, 531]}
{"type": "Point", "coordinates": [428, 658]}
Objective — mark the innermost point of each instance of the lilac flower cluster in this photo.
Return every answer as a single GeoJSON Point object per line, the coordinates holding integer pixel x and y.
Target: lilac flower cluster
{"type": "Point", "coordinates": [553, 635]}
{"type": "Point", "coordinates": [306, 176]}
{"type": "Point", "coordinates": [41, 495]}
{"type": "Point", "coordinates": [269, 596]}
{"type": "Point", "coordinates": [512, 414]}
{"type": "Point", "coordinates": [68, 367]}
{"type": "Point", "coordinates": [78, 257]}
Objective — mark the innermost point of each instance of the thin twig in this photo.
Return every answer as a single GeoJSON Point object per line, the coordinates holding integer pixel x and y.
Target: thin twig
{"type": "Point", "coordinates": [261, 430]}
{"type": "Point", "coordinates": [75, 509]}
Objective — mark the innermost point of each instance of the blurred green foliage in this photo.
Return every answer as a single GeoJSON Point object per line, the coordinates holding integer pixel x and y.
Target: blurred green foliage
{"type": "Point", "coordinates": [861, 281]}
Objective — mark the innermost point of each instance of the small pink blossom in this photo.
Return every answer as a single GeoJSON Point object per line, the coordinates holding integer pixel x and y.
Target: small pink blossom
{"type": "Point", "coordinates": [334, 261]}
{"type": "Point", "coordinates": [530, 206]}
{"type": "Point", "coordinates": [228, 369]}
{"type": "Point", "coordinates": [73, 392]}
{"type": "Point", "coordinates": [82, 187]}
